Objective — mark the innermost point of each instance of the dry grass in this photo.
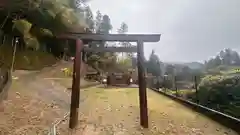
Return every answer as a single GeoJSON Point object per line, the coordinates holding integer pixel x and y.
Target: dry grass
{"type": "Point", "coordinates": [35, 102]}
{"type": "Point", "coordinates": [26, 112]}
{"type": "Point", "coordinates": [116, 112]}
{"type": "Point", "coordinates": [67, 82]}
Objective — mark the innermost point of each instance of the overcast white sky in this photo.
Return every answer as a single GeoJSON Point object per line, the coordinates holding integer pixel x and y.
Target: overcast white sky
{"type": "Point", "coordinates": [192, 30]}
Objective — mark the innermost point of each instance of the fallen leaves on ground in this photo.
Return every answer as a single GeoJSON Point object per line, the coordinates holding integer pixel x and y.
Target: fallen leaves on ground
{"type": "Point", "coordinates": [116, 111]}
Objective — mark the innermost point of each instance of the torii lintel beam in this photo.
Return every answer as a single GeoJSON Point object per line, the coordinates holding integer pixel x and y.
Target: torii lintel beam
{"type": "Point", "coordinates": [113, 37]}
{"type": "Point", "coordinates": [112, 49]}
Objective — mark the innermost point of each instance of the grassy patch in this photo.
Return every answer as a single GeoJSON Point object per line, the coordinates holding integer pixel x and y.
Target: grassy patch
{"type": "Point", "coordinates": [182, 91]}
{"type": "Point", "coordinates": [116, 111]}
{"type": "Point", "coordinates": [67, 82]}
{"type": "Point", "coordinates": [26, 59]}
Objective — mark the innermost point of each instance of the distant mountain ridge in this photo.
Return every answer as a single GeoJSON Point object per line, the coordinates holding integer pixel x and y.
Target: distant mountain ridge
{"type": "Point", "coordinates": [192, 65]}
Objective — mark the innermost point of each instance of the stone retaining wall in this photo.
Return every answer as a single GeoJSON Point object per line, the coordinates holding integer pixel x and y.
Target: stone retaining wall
{"type": "Point", "coordinates": [5, 83]}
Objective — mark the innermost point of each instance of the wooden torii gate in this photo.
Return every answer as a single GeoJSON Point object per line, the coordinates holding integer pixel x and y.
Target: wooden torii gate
{"type": "Point", "coordinates": [140, 39]}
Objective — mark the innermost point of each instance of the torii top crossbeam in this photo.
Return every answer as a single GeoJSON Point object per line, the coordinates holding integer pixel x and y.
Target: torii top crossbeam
{"type": "Point", "coordinates": [112, 37]}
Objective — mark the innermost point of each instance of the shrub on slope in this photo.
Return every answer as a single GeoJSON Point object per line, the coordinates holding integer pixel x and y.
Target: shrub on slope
{"type": "Point", "coordinates": [221, 93]}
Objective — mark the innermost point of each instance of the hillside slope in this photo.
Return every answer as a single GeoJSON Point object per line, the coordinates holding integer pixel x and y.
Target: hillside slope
{"type": "Point", "coordinates": [26, 59]}
{"type": "Point", "coordinates": [35, 101]}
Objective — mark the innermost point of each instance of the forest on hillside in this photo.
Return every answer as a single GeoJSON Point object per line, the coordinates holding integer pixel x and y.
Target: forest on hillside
{"type": "Point", "coordinates": [30, 32]}
{"type": "Point", "coordinates": [218, 80]}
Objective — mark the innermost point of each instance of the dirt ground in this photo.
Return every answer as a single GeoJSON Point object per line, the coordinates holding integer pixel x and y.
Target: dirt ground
{"type": "Point", "coordinates": [116, 112]}
{"type": "Point", "coordinates": [35, 101]}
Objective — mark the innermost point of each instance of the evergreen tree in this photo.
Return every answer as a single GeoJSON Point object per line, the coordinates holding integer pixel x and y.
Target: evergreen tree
{"type": "Point", "coordinates": [153, 65]}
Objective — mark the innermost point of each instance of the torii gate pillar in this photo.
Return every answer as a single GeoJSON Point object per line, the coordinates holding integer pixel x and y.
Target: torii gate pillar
{"type": "Point", "coordinates": [142, 86]}
{"type": "Point", "coordinates": [75, 96]}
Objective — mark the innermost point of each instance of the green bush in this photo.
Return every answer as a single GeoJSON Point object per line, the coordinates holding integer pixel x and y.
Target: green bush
{"type": "Point", "coordinates": [214, 72]}
{"type": "Point", "coordinates": [221, 93]}
{"type": "Point", "coordinates": [23, 26]}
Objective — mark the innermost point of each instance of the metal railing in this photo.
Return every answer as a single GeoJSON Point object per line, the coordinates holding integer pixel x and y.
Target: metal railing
{"type": "Point", "coordinates": [53, 128]}
{"type": "Point", "coordinates": [224, 119]}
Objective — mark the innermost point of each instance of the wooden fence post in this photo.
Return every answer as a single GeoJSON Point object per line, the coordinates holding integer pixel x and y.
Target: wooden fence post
{"type": "Point", "coordinates": [196, 88]}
